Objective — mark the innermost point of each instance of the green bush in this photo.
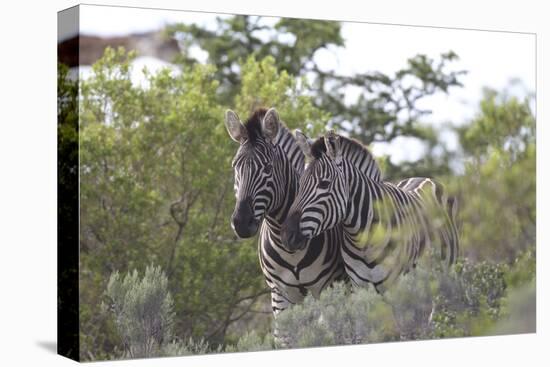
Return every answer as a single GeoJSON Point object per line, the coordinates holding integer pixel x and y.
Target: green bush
{"type": "Point", "coordinates": [188, 347]}
{"type": "Point", "coordinates": [252, 342]}
{"type": "Point", "coordinates": [340, 316]}
{"type": "Point", "coordinates": [468, 299]}
{"type": "Point", "coordinates": [497, 192]}
{"type": "Point", "coordinates": [519, 314]}
{"type": "Point", "coordinates": [142, 309]}
{"type": "Point", "coordinates": [423, 304]}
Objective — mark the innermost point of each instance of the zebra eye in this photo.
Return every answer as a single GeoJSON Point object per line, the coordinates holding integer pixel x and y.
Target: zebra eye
{"type": "Point", "coordinates": [324, 184]}
{"type": "Point", "coordinates": [268, 168]}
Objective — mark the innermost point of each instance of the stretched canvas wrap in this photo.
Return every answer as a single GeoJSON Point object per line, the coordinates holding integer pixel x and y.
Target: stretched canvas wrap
{"type": "Point", "coordinates": [232, 183]}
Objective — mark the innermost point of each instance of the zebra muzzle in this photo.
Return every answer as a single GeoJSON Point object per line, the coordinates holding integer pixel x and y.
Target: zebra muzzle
{"type": "Point", "coordinates": [242, 221]}
{"type": "Point", "coordinates": [291, 234]}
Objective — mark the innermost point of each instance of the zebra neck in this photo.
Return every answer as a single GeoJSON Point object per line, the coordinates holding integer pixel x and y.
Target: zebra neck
{"type": "Point", "coordinates": [359, 209]}
{"type": "Point", "coordinates": [359, 156]}
{"type": "Point", "coordinates": [274, 219]}
{"type": "Point", "coordinates": [294, 156]}
{"type": "Point", "coordinates": [278, 215]}
{"type": "Point", "coordinates": [293, 164]}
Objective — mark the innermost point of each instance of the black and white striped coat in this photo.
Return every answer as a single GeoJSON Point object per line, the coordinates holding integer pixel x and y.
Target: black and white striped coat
{"type": "Point", "coordinates": [386, 227]}
{"type": "Point", "coordinates": [267, 168]}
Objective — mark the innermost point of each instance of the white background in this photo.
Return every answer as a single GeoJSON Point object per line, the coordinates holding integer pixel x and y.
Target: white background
{"type": "Point", "coordinates": [28, 182]}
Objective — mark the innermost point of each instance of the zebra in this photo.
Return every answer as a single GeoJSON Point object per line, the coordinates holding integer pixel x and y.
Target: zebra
{"type": "Point", "coordinates": [386, 226]}
{"type": "Point", "coordinates": [267, 167]}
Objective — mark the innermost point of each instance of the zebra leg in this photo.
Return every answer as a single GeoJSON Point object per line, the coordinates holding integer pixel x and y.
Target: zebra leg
{"type": "Point", "coordinates": [279, 303]}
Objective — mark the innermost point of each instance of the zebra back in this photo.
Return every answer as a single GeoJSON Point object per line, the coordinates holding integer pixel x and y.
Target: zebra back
{"type": "Point", "coordinates": [443, 207]}
{"type": "Point", "coordinates": [386, 227]}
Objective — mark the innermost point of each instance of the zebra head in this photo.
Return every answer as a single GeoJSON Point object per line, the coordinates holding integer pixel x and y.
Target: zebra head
{"type": "Point", "coordinates": [323, 192]}
{"type": "Point", "coordinates": [257, 168]}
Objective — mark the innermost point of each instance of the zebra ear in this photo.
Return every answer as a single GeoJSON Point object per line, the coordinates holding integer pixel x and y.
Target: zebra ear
{"type": "Point", "coordinates": [332, 143]}
{"type": "Point", "coordinates": [234, 126]}
{"type": "Point", "coordinates": [304, 143]}
{"type": "Point", "coordinates": [270, 124]}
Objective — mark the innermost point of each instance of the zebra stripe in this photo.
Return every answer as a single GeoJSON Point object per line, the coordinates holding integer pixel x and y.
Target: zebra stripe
{"type": "Point", "coordinates": [267, 168]}
{"type": "Point", "coordinates": [386, 226]}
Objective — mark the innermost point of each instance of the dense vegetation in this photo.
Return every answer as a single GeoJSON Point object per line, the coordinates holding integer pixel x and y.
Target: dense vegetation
{"type": "Point", "coordinates": [161, 272]}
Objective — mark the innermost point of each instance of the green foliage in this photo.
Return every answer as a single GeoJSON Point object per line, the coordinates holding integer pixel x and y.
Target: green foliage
{"type": "Point", "coordinates": [291, 42]}
{"type": "Point", "coordinates": [143, 310]}
{"type": "Point", "coordinates": [519, 310]}
{"type": "Point", "coordinates": [375, 115]}
{"type": "Point", "coordinates": [461, 301]}
{"type": "Point", "coordinates": [523, 269]}
{"type": "Point", "coordinates": [423, 304]}
{"type": "Point", "coordinates": [252, 342]}
{"type": "Point", "coordinates": [489, 291]}
{"type": "Point", "coordinates": [189, 347]}
{"type": "Point", "coordinates": [143, 313]}
{"type": "Point", "coordinates": [67, 117]}
{"type": "Point", "coordinates": [387, 106]}
{"type": "Point", "coordinates": [150, 192]}
{"type": "Point", "coordinates": [497, 192]}
{"type": "Point", "coordinates": [503, 124]}
{"type": "Point", "coordinates": [339, 316]}
{"type": "Point", "coordinates": [412, 301]}
{"type": "Point", "coordinates": [468, 300]}
{"type": "Point", "coordinates": [67, 215]}
{"type": "Point", "coordinates": [264, 85]}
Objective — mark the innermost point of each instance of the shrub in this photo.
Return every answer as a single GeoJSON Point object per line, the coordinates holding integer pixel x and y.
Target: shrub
{"type": "Point", "coordinates": [142, 309]}
{"type": "Point", "coordinates": [341, 315]}
{"type": "Point", "coordinates": [188, 347]}
{"type": "Point", "coordinates": [519, 314]}
{"type": "Point", "coordinates": [252, 342]}
{"type": "Point", "coordinates": [425, 303]}
{"type": "Point", "coordinates": [468, 299]}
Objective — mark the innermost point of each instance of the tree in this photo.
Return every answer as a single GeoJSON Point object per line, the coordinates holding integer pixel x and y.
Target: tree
{"type": "Point", "coordinates": [236, 38]}
{"type": "Point", "coordinates": [386, 107]}
{"type": "Point", "coordinates": [497, 191]}
{"type": "Point", "coordinates": [156, 187]}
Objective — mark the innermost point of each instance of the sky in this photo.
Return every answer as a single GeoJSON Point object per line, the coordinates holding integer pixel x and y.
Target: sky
{"type": "Point", "coordinates": [491, 58]}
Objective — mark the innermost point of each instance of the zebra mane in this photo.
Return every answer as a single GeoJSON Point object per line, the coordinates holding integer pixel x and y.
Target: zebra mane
{"type": "Point", "coordinates": [288, 143]}
{"type": "Point", "coordinates": [354, 152]}
{"type": "Point", "coordinates": [285, 138]}
{"type": "Point", "coordinates": [253, 125]}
